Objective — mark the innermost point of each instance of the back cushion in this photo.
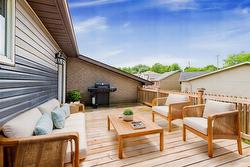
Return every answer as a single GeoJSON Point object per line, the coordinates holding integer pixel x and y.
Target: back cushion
{"type": "Point", "coordinates": [49, 106]}
{"type": "Point", "coordinates": [22, 125]}
{"type": "Point", "coordinates": [213, 107]}
{"type": "Point", "coordinates": [174, 98]}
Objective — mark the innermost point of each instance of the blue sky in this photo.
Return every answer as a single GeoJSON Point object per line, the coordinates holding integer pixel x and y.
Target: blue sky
{"type": "Point", "coordinates": [129, 32]}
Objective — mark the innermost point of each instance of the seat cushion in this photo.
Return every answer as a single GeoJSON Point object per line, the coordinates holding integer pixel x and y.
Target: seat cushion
{"type": "Point", "coordinates": [75, 123]}
{"type": "Point", "coordinates": [44, 125]}
{"type": "Point", "coordinates": [213, 107]}
{"type": "Point", "coordinates": [197, 123]}
{"type": "Point", "coordinates": [23, 125]}
{"type": "Point", "coordinates": [175, 98]}
{"type": "Point", "coordinates": [163, 110]}
{"type": "Point", "coordinates": [49, 106]}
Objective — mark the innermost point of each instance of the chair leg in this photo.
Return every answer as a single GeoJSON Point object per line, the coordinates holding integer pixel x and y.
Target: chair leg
{"type": "Point", "coordinates": [210, 146]}
{"type": "Point", "coordinates": [169, 125]}
{"type": "Point", "coordinates": [239, 145]}
{"type": "Point", "coordinates": [184, 133]}
{"type": "Point", "coordinates": [153, 116]}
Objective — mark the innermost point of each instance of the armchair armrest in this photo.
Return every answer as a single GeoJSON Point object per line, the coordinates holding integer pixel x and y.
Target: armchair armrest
{"type": "Point", "coordinates": [193, 111]}
{"type": "Point", "coordinates": [158, 100]}
{"type": "Point", "coordinates": [224, 124]}
{"type": "Point", "coordinates": [70, 136]}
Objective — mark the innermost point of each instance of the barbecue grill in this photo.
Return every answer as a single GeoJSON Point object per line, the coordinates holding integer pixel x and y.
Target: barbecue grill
{"type": "Point", "coordinates": [100, 93]}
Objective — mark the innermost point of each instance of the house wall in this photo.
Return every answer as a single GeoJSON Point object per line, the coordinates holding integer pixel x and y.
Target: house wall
{"type": "Point", "coordinates": [232, 82]}
{"type": "Point", "coordinates": [171, 83]}
{"type": "Point", "coordinates": [81, 75]}
{"type": "Point", "coordinates": [33, 79]}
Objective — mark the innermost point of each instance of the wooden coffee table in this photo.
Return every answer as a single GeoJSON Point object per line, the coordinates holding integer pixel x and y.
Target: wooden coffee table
{"type": "Point", "coordinates": [124, 130]}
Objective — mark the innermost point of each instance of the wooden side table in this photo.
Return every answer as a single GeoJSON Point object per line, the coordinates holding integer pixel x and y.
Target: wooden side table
{"type": "Point", "coordinates": [77, 108]}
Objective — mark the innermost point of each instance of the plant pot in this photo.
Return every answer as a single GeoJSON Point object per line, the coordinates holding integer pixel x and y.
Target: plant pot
{"type": "Point", "coordinates": [77, 102]}
{"type": "Point", "coordinates": [128, 117]}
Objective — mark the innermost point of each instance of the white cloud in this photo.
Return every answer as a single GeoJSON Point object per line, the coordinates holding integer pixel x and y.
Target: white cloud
{"type": "Point", "coordinates": [126, 25]}
{"type": "Point", "coordinates": [93, 3]}
{"type": "Point", "coordinates": [112, 53]}
{"type": "Point", "coordinates": [176, 5]}
{"type": "Point", "coordinates": [93, 24]}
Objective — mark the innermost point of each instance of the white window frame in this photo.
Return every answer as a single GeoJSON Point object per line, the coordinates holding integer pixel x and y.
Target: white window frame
{"type": "Point", "coordinates": [9, 57]}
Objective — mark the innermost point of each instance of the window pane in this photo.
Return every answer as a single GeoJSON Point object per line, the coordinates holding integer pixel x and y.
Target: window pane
{"type": "Point", "coordinates": [2, 27]}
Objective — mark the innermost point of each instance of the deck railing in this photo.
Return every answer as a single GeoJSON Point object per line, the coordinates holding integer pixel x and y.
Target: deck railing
{"type": "Point", "coordinates": [243, 104]}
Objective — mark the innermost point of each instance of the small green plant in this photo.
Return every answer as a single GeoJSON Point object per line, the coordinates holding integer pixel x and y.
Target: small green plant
{"type": "Point", "coordinates": [128, 112]}
{"type": "Point", "coordinates": [74, 95]}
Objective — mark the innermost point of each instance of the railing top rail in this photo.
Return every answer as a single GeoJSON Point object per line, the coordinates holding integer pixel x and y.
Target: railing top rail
{"type": "Point", "coordinates": [231, 99]}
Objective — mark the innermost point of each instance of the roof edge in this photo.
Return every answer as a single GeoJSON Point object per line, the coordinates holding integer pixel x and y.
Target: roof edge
{"type": "Point", "coordinates": [114, 69]}
{"type": "Point", "coordinates": [217, 71]}
{"type": "Point", "coordinates": [173, 72]}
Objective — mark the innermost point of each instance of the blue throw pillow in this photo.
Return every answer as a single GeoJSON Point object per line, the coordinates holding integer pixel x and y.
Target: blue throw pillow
{"type": "Point", "coordinates": [58, 118]}
{"type": "Point", "coordinates": [66, 109]}
{"type": "Point", "coordinates": [44, 125]}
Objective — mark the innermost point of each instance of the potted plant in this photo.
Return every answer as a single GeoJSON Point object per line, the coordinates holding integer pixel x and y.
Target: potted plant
{"type": "Point", "coordinates": [128, 115]}
{"type": "Point", "coordinates": [74, 96]}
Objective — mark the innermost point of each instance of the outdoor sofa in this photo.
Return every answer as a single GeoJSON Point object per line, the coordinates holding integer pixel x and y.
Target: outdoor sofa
{"type": "Point", "coordinates": [19, 145]}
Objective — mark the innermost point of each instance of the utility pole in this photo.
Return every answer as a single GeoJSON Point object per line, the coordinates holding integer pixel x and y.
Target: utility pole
{"type": "Point", "coordinates": [217, 56]}
{"type": "Point", "coordinates": [189, 64]}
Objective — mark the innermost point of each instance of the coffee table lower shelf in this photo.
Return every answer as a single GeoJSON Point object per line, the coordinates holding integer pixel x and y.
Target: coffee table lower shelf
{"type": "Point", "coordinates": [124, 130]}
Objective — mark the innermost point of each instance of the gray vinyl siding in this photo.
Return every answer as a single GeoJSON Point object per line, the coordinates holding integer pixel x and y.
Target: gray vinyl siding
{"type": "Point", "coordinates": [34, 79]}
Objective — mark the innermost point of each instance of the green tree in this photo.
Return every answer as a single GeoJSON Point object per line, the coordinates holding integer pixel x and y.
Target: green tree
{"type": "Point", "coordinates": [140, 68]}
{"type": "Point", "coordinates": [236, 59]}
{"type": "Point", "coordinates": [191, 69]}
{"type": "Point", "coordinates": [209, 68]}
{"type": "Point", "coordinates": [174, 67]}
{"type": "Point", "coordinates": [196, 69]}
{"type": "Point", "coordinates": [159, 68]}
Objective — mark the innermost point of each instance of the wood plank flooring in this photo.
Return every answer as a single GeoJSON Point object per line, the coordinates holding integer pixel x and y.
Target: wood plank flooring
{"type": "Point", "coordinates": [144, 151]}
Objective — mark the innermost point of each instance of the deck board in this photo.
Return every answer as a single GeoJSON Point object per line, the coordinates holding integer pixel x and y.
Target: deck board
{"type": "Point", "coordinates": [144, 151]}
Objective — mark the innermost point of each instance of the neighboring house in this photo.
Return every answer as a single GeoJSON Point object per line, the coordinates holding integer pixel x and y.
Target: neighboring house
{"type": "Point", "coordinates": [84, 72]}
{"type": "Point", "coordinates": [231, 81]}
{"type": "Point", "coordinates": [172, 80]}
{"type": "Point", "coordinates": [148, 75]}
{"type": "Point", "coordinates": [168, 81]}
{"type": "Point", "coordinates": [37, 41]}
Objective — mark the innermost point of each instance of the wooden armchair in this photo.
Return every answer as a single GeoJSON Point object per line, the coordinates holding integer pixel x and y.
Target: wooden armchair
{"type": "Point", "coordinates": [39, 151]}
{"type": "Point", "coordinates": [170, 107]}
{"type": "Point", "coordinates": [215, 120]}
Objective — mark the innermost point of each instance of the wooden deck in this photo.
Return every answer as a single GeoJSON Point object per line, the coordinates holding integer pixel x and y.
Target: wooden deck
{"type": "Point", "coordinates": [144, 151]}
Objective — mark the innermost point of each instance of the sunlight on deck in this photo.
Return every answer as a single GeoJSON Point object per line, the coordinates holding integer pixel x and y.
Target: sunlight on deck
{"type": "Point", "coordinates": [144, 151]}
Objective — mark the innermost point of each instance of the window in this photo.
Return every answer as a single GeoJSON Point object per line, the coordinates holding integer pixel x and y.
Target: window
{"type": "Point", "coordinates": [7, 34]}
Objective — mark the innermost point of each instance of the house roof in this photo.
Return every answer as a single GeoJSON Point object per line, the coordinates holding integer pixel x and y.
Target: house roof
{"type": "Point", "coordinates": [55, 16]}
{"type": "Point", "coordinates": [188, 75]}
{"type": "Point", "coordinates": [113, 69]}
{"type": "Point", "coordinates": [218, 71]}
{"type": "Point", "coordinates": [148, 75]}
{"type": "Point", "coordinates": [166, 74]}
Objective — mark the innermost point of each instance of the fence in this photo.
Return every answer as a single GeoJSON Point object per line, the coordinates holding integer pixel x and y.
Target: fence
{"type": "Point", "coordinates": [243, 104]}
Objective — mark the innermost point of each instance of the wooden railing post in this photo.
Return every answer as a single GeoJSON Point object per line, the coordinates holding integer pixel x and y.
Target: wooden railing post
{"type": "Point", "coordinates": [200, 95]}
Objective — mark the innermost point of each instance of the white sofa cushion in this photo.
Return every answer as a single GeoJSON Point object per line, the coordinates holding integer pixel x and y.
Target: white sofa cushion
{"type": "Point", "coordinates": [213, 107]}
{"type": "Point", "coordinates": [197, 123]}
{"type": "Point", "coordinates": [49, 106]}
{"type": "Point", "coordinates": [23, 125]}
{"type": "Point", "coordinates": [75, 123]}
{"type": "Point", "coordinates": [175, 98]}
{"type": "Point", "coordinates": [163, 110]}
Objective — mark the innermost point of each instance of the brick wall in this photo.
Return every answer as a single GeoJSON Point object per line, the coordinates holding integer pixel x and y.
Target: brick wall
{"type": "Point", "coordinates": [81, 75]}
